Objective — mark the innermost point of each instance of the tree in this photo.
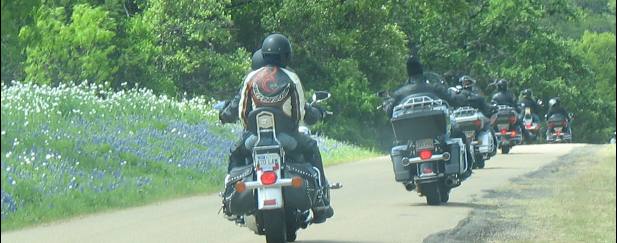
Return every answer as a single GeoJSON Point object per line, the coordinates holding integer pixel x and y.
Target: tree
{"type": "Point", "coordinates": [75, 49]}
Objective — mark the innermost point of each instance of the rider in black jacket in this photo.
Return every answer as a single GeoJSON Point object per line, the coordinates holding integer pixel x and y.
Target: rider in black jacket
{"type": "Point", "coordinates": [416, 83]}
{"type": "Point", "coordinates": [469, 96]}
{"type": "Point", "coordinates": [529, 101]}
{"type": "Point", "coordinates": [503, 95]}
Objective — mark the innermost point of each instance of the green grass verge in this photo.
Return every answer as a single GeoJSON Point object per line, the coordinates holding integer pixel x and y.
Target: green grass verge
{"type": "Point", "coordinates": [577, 202]}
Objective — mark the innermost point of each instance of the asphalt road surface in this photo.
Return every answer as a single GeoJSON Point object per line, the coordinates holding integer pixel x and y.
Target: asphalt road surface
{"type": "Point", "coordinates": [371, 207]}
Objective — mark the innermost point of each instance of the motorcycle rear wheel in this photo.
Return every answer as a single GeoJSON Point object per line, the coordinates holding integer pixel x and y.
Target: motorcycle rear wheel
{"type": "Point", "coordinates": [432, 193]}
{"type": "Point", "coordinates": [505, 149]}
{"type": "Point", "coordinates": [274, 225]}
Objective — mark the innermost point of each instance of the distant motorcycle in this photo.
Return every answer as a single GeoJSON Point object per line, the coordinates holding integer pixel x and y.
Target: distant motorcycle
{"type": "Point", "coordinates": [558, 129]}
{"type": "Point", "coordinates": [426, 158]}
{"type": "Point", "coordinates": [505, 126]}
{"type": "Point", "coordinates": [532, 126]}
{"type": "Point", "coordinates": [472, 123]}
{"type": "Point", "coordinates": [273, 195]}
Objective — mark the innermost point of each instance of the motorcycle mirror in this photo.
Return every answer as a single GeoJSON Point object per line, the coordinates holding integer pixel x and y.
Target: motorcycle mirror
{"type": "Point", "coordinates": [320, 96]}
{"type": "Point", "coordinates": [540, 102]}
{"type": "Point", "coordinates": [219, 106]}
{"type": "Point", "coordinates": [383, 94]}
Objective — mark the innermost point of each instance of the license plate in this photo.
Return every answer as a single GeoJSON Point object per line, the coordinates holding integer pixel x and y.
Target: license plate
{"type": "Point", "coordinates": [503, 126]}
{"type": "Point", "coordinates": [267, 161]}
{"type": "Point", "coordinates": [558, 129]}
{"type": "Point", "coordinates": [424, 144]}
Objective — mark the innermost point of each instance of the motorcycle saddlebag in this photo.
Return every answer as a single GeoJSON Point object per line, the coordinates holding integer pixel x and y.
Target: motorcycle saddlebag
{"type": "Point", "coordinates": [301, 198]}
{"type": "Point", "coordinates": [457, 162]}
{"type": "Point", "coordinates": [239, 203]}
{"type": "Point", "coordinates": [401, 173]}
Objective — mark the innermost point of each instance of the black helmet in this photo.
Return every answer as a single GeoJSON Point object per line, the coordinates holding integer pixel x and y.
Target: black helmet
{"type": "Point", "coordinates": [276, 50]}
{"type": "Point", "coordinates": [527, 93]}
{"type": "Point", "coordinates": [466, 82]}
{"type": "Point", "coordinates": [258, 60]}
{"type": "Point", "coordinates": [502, 85]}
{"type": "Point", "coordinates": [554, 102]}
{"type": "Point", "coordinates": [414, 67]}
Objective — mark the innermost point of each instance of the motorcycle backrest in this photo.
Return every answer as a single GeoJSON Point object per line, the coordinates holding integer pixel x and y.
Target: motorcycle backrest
{"type": "Point", "coordinates": [282, 123]}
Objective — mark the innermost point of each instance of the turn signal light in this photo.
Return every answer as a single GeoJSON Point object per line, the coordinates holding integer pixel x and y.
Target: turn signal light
{"type": "Point", "coordinates": [240, 186]}
{"type": "Point", "coordinates": [296, 181]}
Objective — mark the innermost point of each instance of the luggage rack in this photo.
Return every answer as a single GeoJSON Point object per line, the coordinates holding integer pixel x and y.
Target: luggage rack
{"type": "Point", "coordinates": [465, 111]}
{"type": "Point", "coordinates": [419, 103]}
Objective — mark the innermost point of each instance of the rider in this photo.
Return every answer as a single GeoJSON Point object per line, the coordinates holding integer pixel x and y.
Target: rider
{"type": "Point", "coordinates": [554, 107]}
{"type": "Point", "coordinates": [532, 103]}
{"type": "Point", "coordinates": [274, 85]}
{"type": "Point", "coordinates": [503, 95]}
{"type": "Point", "coordinates": [416, 83]}
{"type": "Point", "coordinates": [470, 97]}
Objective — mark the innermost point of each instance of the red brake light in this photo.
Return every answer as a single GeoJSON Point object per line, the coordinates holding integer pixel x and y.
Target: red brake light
{"type": "Point", "coordinates": [426, 154]}
{"type": "Point", "coordinates": [478, 123]}
{"type": "Point", "coordinates": [268, 178]}
{"type": "Point", "coordinates": [513, 134]}
{"type": "Point", "coordinates": [528, 126]}
{"type": "Point", "coordinates": [504, 131]}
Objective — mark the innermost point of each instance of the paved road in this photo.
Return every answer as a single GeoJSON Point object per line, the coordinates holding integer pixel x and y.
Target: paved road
{"type": "Point", "coordinates": [371, 207]}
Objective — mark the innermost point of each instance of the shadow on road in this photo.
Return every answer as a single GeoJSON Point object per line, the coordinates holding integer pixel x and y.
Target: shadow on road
{"type": "Point", "coordinates": [496, 168]}
{"type": "Point", "coordinates": [335, 241]}
{"type": "Point", "coordinates": [456, 205]}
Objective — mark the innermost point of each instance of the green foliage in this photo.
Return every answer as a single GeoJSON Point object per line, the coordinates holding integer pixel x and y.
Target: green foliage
{"type": "Point", "coordinates": [71, 49]}
{"type": "Point", "coordinates": [352, 48]}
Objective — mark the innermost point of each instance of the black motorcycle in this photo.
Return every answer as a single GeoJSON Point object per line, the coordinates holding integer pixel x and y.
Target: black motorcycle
{"type": "Point", "coordinates": [558, 129]}
{"type": "Point", "coordinates": [273, 194]}
{"type": "Point", "coordinates": [425, 157]}
{"type": "Point", "coordinates": [506, 129]}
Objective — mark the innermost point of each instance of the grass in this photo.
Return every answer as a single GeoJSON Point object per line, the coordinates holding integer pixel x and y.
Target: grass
{"type": "Point", "coordinates": [78, 149]}
{"type": "Point", "coordinates": [576, 203]}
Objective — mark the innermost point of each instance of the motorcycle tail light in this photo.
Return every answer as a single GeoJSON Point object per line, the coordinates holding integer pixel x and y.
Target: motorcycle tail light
{"type": "Point", "coordinates": [478, 123]}
{"type": "Point", "coordinates": [504, 131]}
{"type": "Point", "coordinates": [425, 154]}
{"type": "Point", "coordinates": [513, 134]}
{"type": "Point", "coordinates": [528, 126]}
{"type": "Point", "coordinates": [268, 178]}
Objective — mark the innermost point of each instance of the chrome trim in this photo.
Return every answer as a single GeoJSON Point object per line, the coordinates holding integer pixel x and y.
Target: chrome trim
{"type": "Point", "coordinates": [436, 157]}
{"type": "Point", "coordinates": [250, 185]}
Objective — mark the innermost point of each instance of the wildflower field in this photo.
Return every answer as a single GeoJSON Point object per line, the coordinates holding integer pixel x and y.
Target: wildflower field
{"type": "Point", "coordinates": [76, 149]}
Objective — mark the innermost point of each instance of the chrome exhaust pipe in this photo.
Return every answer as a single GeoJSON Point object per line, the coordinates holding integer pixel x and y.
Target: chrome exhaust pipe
{"type": "Point", "coordinates": [452, 181]}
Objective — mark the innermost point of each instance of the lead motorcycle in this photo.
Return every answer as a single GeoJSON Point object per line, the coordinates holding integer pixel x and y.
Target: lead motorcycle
{"type": "Point", "coordinates": [505, 126]}
{"type": "Point", "coordinates": [426, 158]}
{"type": "Point", "coordinates": [274, 193]}
{"type": "Point", "coordinates": [472, 123]}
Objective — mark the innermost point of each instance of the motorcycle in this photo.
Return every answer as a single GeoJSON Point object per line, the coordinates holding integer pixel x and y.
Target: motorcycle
{"type": "Point", "coordinates": [471, 122]}
{"type": "Point", "coordinates": [426, 158]}
{"type": "Point", "coordinates": [273, 195]}
{"type": "Point", "coordinates": [532, 126]}
{"type": "Point", "coordinates": [559, 130]}
{"type": "Point", "coordinates": [504, 124]}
